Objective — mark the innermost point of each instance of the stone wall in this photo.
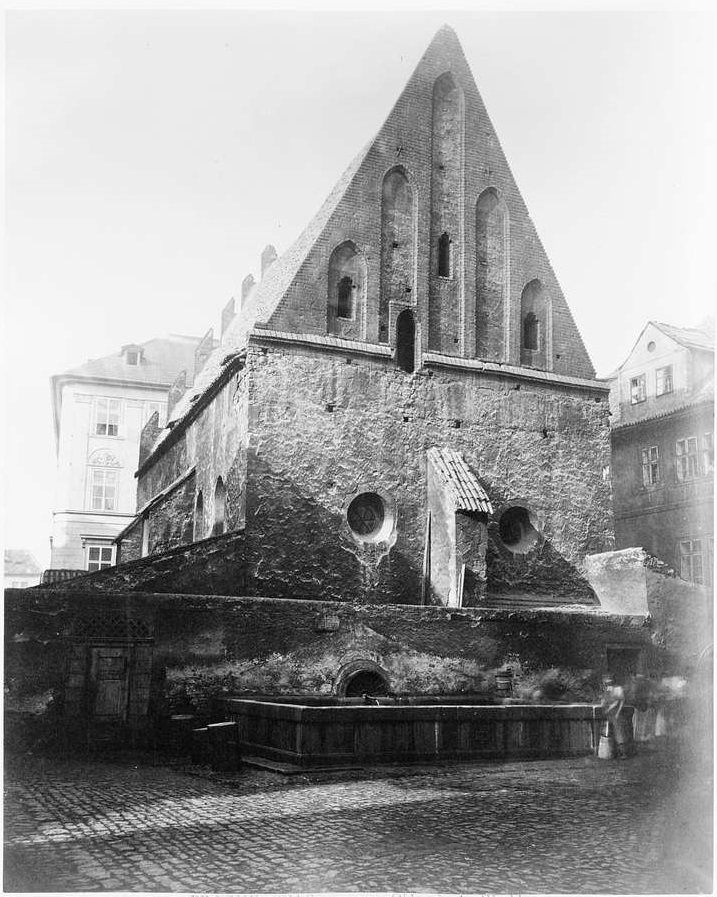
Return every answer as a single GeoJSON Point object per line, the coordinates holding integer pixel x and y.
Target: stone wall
{"type": "Point", "coordinates": [325, 427]}
{"type": "Point", "coordinates": [207, 647]}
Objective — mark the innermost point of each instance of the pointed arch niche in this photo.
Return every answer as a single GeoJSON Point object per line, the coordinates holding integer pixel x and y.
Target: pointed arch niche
{"type": "Point", "coordinates": [398, 239]}
{"type": "Point", "coordinates": [445, 282]}
{"type": "Point", "coordinates": [492, 275]}
{"type": "Point", "coordinates": [347, 291]}
{"type": "Point", "coordinates": [534, 333]}
{"type": "Point", "coordinates": [406, 341]}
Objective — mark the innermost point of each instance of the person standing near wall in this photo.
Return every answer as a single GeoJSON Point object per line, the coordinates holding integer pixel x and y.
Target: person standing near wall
{"type": "Point", "coordinates": [613, 702]}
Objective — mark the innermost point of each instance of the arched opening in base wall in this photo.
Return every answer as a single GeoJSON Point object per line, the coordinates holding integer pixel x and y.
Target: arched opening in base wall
{"type": "Point", "coordinates": [362, 677]}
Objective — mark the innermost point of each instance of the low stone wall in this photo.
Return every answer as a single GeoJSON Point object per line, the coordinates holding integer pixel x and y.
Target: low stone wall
{"type": "Point", "coordinates": [191, 651]}
{"type": "Point", "coordinates": [328, 736]}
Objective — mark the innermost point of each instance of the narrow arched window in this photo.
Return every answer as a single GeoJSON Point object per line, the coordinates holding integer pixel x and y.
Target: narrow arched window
{"type": "Point", "coordinates": [445, 256]}
{"type": "Point", "coordinates": [345, 304]}
{"type": "Point", "coordinates": [220, 498]}
{"type": "Point", "coordinates": [531, 332]}
{"type": "Point", "coordinates": [406, 341]}
{"type": "Point", "coordinates": [198, 518]}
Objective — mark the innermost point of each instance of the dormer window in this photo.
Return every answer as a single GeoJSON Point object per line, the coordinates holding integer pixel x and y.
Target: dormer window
{"type": "Point", "coordinates": [132, 354]}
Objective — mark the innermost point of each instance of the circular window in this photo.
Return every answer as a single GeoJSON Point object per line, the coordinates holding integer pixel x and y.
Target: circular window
{"type": "Point", "coordinates": [516, 531]}
{"type": "Point", "coordinates": [651, 346]}
{"type": "Point", "coordinates": [366, 515]}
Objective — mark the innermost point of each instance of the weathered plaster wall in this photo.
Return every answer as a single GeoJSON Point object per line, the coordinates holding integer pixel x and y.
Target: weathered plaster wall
{"type": "Point", "coordinates": [323, 429]}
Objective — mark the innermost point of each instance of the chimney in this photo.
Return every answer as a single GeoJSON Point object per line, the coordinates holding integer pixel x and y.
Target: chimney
{"type": "Point", "coordinates": [176, 391]}
{"type": "Point", "coordinates": [228, 314]}
{"type": "Point", "coordinates": [203, 351]}
{"type": "Point", "coordinates": [268, 257]}
{"type": "Point", "coordinates": [246, 287]}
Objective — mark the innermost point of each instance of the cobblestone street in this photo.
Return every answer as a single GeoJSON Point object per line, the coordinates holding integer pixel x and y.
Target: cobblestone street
{"type": "Point", "coordinates": [571, 826]}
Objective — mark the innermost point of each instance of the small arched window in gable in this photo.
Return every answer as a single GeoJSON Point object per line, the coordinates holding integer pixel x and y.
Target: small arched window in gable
{"type": "Point", "coordinates": [220, 498]}
{"type": "Point", "coordinates": [531, 332]}
{"type": "Point", "coordinates": [406, 341]}
{"type": "Point", "coordinates": [445, 256]}
{"type": "Point", "coordinates": [198, 518]}
{"type": "Point", "coordinates": [345, 304]}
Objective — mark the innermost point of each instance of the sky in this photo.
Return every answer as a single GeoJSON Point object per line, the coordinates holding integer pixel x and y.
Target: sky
{"type": "Point", "coordinates": [150, 156]}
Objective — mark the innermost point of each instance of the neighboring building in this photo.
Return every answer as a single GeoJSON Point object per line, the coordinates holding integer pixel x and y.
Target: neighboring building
{"type": "Point", "coordinates": [99, 410]}
{"type": "Point", "coordinates": [21, 569]}
{"type": "Point", "coordinates": [403, 410]}
{"type": "Point", "coordinates": [662, 400]}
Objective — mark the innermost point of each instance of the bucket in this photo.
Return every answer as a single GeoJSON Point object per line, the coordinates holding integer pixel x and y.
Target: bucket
{"type": "Point", "coordinates": [606, 747]}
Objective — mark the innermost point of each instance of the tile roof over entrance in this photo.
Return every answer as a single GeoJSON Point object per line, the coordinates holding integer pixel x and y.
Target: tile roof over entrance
{"type": "Point", "coordinates": [460, 482]}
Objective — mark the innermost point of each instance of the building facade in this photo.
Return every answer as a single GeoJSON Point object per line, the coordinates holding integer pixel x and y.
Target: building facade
{"type": "Point", "coordinates": [21, 569]}
{"type": "Point", "coordinates": [663, 451]}
{"type": "Point", "coordinates": [99, 409]}
{"type": "Point", "coordinates": [403, 409]}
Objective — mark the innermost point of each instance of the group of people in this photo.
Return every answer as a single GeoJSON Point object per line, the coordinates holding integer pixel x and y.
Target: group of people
{"type": "Point", "coordinates": [657, 709]}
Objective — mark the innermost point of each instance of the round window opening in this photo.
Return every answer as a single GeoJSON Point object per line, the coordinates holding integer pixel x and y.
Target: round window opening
{"type": "Point", "coordinates": [651, 346]}
{"type": "Point", "coordinates": [516, 531]}
{"type": "Point", "coordinates": [366, 515]}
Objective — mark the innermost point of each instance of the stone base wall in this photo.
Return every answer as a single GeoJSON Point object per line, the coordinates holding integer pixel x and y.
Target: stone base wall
{"type": "Point", "coordinates": [204, 648]}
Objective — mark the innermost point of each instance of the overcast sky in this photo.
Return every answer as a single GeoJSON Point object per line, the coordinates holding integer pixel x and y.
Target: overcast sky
{"type": "Point", "coordinates": [150, 157]}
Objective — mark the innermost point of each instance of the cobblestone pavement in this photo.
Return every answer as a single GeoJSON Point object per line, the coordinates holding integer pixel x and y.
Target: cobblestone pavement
{"type": "Point", "coordinates": [567, 826]}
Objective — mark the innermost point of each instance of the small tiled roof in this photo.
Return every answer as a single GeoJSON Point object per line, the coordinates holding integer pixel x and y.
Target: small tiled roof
{"type": "Point", "coordinates": [690, 337]}
{"type": "Point", "coordinates": [162, 359]}
{"type": "Point", "coordinates": [459, 480]}
{"type": "Point", "coordinates": [19, 561]}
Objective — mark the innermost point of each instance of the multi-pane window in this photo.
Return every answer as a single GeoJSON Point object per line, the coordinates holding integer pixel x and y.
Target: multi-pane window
{"type": "Point", "coordinates": [99, 557]}
{"type": "Point", "coordinates": [638, 392]}
{"type": "Point", "coordinates": [687, 458]}
{"type": "Point", "coordinates": [691, 567]}
{"type": "Point", "coordinates": [103, 489]}
{"type": "Point", "coordinates": [650, 466]}
{"type": "Point", "coordinates": [708, 453]}
{"type": "Point", "coordinates": [663, 382]}
{"type": "Point", "coordinates": [107, 417]}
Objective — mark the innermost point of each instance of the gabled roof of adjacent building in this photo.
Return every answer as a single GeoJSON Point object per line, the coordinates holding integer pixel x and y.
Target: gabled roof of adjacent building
{"type": "Point", "coordinates": [700, 338]}
{"type": "Point", "coordinates": [159, 361]}
{"type": "Point", "coordinates": [20, 562]}
{"type": "Point", "coordinates": [689, 337]}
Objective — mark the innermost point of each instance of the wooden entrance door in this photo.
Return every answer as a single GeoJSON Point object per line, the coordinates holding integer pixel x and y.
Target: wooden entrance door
{"type": "Point", "coordinates": [109, 680]}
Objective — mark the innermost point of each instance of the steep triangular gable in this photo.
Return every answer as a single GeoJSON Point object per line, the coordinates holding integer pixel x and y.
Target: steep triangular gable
{"type": "Point", "coordinates": [404, 143]}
